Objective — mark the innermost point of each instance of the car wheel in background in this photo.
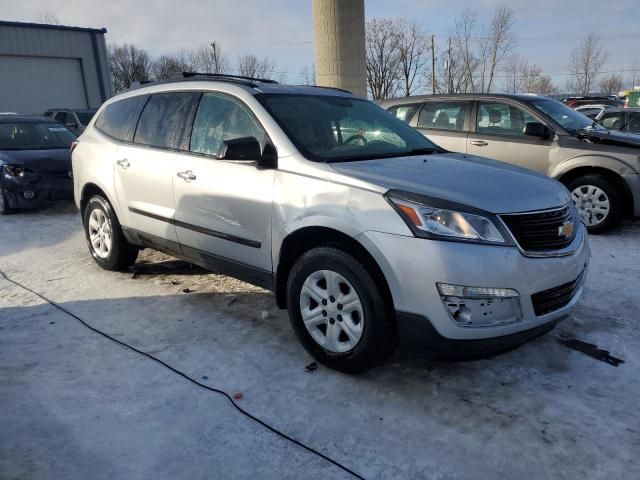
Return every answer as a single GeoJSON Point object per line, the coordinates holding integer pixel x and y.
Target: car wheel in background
{"type": "Point", "coordinates": [598, 202]}
{"type": "Point", "coordinates": [338, 311]}
{"type": "Point", "coordinates": [105, 239]}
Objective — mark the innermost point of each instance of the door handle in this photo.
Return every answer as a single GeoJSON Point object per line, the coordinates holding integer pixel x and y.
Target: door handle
{"type": "Point", "coordinates": [123, 162]}
{"type": "Point", "coordinates": [187, 175]}
{"type": "Point", "coordinates": [479, 143]}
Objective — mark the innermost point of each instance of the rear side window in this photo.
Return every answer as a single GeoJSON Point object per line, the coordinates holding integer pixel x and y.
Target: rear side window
{"type": "Point", "coordinates": [633, 122]}
{"type": "Point", "coordinates": [221, 117]}
{"type": "Point", "coordinates": [118, 119]}
{"type": "Point", "coordinates": [612, 121]}
{"type": "Point", "coordinates": [166, 120]}
{"type": "Point", "coordinates": [404, 112]}
{"type": "Point", "coordinates": [445, 115]}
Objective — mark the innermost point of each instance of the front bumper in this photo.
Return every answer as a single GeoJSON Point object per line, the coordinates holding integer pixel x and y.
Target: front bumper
{"type": "Point", "coordinates": [36, 190]}
{"type": "Point", "coordinates": [413, 266]}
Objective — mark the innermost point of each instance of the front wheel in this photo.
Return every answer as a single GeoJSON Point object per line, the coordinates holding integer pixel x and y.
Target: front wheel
{"type": "Point", "coordinates": [598, 202]}
{"type": "Point", "coordinates": [104, 236]}
{"type": "Point", "coordinates": [338, 311]}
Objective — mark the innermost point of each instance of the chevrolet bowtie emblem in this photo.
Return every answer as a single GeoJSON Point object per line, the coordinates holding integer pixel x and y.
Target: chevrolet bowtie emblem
{"type": "Point", "coordinates": [566, 230]}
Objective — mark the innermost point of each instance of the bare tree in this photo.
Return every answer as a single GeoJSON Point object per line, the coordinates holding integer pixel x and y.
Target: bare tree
{"type": "Point", "coordinates": [166, 65]}
{"type": "Point", "coordinates": [308, 74]}
{"type": "Point", "coordinates": [413, 51]}
{"type": "Point", "coordinates": [496, 45]}
{"type": "Point", "coordinates": [252, 66]}
{"type": "Point", "coordinates": [611, 84]}
{"type": "Point", "coordinates": [382, 57]}
{"type": "Point", "coordinates": [535, 82]}
{"type": "Point", "coordinates": [210, 59]}
{"type": "Point", "coordinates": [513, 67]}
{"type": "Point", "coordinates": [465, 28]}
{"type": "Point", "coordinates": [128, 64]}
{"type": "Point", "coordinates": [586, 61]}
{"type": "Point", "coordinates": [49, 18]}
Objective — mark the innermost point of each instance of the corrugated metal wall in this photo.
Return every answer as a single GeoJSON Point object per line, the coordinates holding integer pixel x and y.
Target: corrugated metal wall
{"type": "Point", "coordinates": [73, 47]}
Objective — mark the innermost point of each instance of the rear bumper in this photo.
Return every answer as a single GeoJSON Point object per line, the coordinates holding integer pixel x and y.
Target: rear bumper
{"type": "Point", "coordinates": [36, 190]}
{"type": "Point", "coordinates": [633, 182]}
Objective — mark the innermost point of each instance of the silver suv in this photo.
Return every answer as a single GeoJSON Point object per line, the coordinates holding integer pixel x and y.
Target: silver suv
{"type": "Point", "coordinates": [601, 168]}
{"type": "Point", "coordinates": [365, 231]}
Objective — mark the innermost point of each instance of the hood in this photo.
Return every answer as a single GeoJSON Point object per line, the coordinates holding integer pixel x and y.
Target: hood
{"type": "Point", "coordinates": [57, 160]}
{"type": "Point", "coordinates": [612, 137]}
{"type": "Point", "coordinates": [490, 185]}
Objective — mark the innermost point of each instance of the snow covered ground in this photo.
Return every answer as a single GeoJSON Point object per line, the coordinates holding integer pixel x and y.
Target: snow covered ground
{"type": "Point", "coordinates": [74, 405]}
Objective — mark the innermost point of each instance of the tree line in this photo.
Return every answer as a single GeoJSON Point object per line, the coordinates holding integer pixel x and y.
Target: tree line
{"type": "Point", "coordinates": [403, 59]}
{"type": "Point", "coordinates": [129, 63]}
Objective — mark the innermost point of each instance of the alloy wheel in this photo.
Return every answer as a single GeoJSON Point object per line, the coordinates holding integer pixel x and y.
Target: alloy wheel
{"type": "Point", "coordinates": [100, 233]}
{"type": "Point", "coordinates": [592, 203]}
{"type": "Point", "coordinates": [332, 311]}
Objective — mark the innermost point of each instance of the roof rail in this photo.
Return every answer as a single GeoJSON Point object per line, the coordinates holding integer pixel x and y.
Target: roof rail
{"type": "Point", "coordinates": [330, 88]}
{"type": "Point", "coordinates": [221, 76]}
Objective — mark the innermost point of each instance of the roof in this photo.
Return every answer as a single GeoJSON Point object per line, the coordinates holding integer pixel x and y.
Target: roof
{"type": "Point", "coordinates": [6, 23]}
{"type": "Point", "coordinates": [622, 109]}
{"type": "Point", "coordinates": [17, 118]}
{"type": "Point", "coordinates": [87, 110]}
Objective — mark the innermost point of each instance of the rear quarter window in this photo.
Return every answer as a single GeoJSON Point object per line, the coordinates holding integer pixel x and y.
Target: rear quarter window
{"type": "Point", "coordinates": [166, 120]}
{"type": "Point", "coordinates": [119, 119]}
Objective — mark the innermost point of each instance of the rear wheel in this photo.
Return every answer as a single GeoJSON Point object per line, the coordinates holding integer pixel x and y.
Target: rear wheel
{"type": "Point", "coordinates": [338, 311]}
{"type": "Point", "coordinates": [598, 201]}
{"type": "Point", "coordinates": [105, 239]}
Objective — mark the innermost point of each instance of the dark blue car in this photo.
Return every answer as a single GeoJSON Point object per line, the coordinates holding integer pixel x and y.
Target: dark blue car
{"type": "Point", "coordinates": [35, 162]}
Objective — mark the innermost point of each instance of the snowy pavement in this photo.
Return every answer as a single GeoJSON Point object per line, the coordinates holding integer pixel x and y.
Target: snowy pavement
{"type": "Point", "coordinates": [74, 405]}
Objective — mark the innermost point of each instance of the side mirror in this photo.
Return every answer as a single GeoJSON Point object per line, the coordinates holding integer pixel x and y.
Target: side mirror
{"type": "Point", "coordinates": [536, 129]}
{"type": "Point", "coordinates": [248, 149]}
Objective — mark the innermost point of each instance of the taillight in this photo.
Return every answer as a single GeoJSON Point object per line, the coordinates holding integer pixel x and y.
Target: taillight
{"type": "Point", "coordinates": [74, 144]}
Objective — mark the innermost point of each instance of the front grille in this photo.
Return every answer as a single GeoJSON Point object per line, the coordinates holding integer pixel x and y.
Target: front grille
{"type": "Point", "coordinates": [550, 300]}
{"type": "Point", "coordinates": [540, 231]}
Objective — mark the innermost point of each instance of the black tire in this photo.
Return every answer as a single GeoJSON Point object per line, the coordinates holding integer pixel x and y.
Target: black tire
{"type": "Point", "coordinates": [121, 253]}
{"type": "Point", "coordinates": [378, 333]}
{"type": "Point", "coordinates": [5, 208]}
{"type": "Point", "coordinates": [616, 213]}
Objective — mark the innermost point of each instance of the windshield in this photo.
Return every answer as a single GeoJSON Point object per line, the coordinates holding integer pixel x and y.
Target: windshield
{"type": "Point", "coordinates": [567, 117]}
{"type": "Point", "coordinates": [85, 117]}
{"type": "Point", "coordinates": [334, 129]}
{"type": "Point", "coordinates": [34, 136]}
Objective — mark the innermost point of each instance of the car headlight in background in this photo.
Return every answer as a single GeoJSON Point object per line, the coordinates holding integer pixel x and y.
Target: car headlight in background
{"type": "Point", "coordinates": [16, 171]}
{"type": "Point", "coordinates": [433, 221]}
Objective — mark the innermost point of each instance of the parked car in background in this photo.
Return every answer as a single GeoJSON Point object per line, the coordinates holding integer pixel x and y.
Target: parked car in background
{"type": "Point", "coordinates": [633, 99]}
{"type": "Point", "coordinates": [626, 120]}
{"type": "Point", "coordinates": [600, 168]}
{"type": "Point", "coordinates": [35, 162]}
{"type": "Point", "coordinates": [364, 229]}
{"type": "Point", "coordinates": [592, 110]}
{"type": "Point", "coordinates": [575, 102]}
{"type": "Point", "coordinates": [75, 120]}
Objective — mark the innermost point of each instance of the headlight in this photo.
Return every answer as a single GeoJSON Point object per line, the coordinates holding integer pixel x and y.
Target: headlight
{"type": "Point", "coordinates": [16, 170]}
{"type": "Point", "coordinates": [428, 219]}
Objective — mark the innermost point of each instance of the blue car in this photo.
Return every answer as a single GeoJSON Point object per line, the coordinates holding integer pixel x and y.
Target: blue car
{"type": "Point", "coordinates": [35, 162]}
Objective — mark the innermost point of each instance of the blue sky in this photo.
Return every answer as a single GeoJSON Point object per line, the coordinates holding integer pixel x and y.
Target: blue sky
{"type": "Point", "coordinates": [282, 29]}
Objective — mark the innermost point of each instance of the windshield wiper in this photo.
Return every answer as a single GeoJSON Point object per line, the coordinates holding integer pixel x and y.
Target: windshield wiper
{"type": "Point", "coordinates": [422, 151]}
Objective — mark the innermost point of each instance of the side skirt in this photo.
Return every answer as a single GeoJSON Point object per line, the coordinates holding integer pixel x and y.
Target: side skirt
{"type": "Point", "coordinates": [241, 271]}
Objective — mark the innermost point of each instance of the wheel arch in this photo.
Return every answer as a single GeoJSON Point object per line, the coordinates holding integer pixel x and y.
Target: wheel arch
{"type": "Point", "coordinates": [89, 190]}
{"type": "Point", "coordinates": [307, 238]}
{"type": "Point", "coordinates": [612, 176]}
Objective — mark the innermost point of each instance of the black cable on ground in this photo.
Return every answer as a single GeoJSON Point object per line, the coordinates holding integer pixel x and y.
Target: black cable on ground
{"type": "Point", "coordinates": [187, 377]}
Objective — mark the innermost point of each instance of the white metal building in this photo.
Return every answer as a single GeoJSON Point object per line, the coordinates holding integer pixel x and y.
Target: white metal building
{"type": "Point", "coordinates": [50, 66]}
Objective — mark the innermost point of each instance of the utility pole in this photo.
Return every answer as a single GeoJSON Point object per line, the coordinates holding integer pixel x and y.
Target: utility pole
{"type": "Point", "coordinates": [433, 65]}
{"type": "Point", "coordinates": [449, 79]}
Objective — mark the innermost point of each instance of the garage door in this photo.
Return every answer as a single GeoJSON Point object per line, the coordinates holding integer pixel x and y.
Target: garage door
{"type": "Point", "coordinates": [36, 84]}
